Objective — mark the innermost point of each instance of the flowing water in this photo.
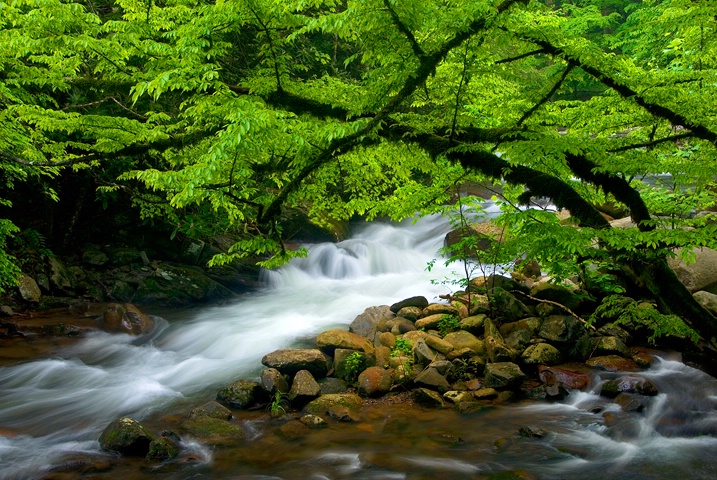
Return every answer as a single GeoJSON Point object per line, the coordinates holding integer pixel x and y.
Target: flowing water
{"type": "Point", "coordinates": [52, 409]}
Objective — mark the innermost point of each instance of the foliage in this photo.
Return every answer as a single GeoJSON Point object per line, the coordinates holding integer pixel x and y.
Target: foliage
{"type": "Point", "coordinates": [354, 365]}
{"type": "Point", "coordinates": [621, 310]}
{"type": "Point", "coordinates": [278, 405]}
{"type": "Point", "coordinates": [448, 324]}
{"type": "Point", "coordinates": [219, 117]}
{"type": "Point", "coordinates": [402, 348]}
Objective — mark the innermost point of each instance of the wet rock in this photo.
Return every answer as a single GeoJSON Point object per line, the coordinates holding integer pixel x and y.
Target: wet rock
{"type": "Point", "coordinates": [628, 384]}
{"type": "Point", "coordinates": [486, 394]}
{"type": "Point", "coordinates": [211, 409]}
{"type": "Point", "coordinates": [707, 300]}
{"type": "Point", "coordinates": [460, 354]}
{"type": "Point", "coordinates": [242, 394]}
{"type": "Point", "coordinates": [387, 339]}
{"type": "Point", "coordinates": [527, 432]}
{"type": "Point", "coordinates": [456, 397]}
{"type": "Point", "coordinates": [126, 318]}
{"type": "Point", "coordinates": [505, 283]}
{"type": "Point", "coordinates": [630, 402]}
{"type": "Point", "coordinates": [427, 398]}
{"type": "Point", "coordinates": [290, 361]}
{"type": "Point", "coordinates": [467, 408]}
{"type": "Point", "coordinates": [400, 325]}
{"type": "Point", "coordinates": [529, 325]}
{"type": "Point", "coordinates": [425, 354]}
{"type": "Point", "coordinates": [163, 448]}
{"type": "Point", "coordinates": [313, 421]}
{"type": "Point", "coordinates": [382, 356]}
{"type": "Point", "coordinates": [80, 465]}
{"type": "Point", "coordinates": [556, 293]}
{"type": "Point", "coordinates": [304, 388]}
{"type": "Point", "coordinates": [345, 365]}
{"type": "Point", "coordinates": [418, 301]}
{"type": "Point", "coordinates": [431, 378]}
{"type": "Point", "coordinates": [273, 381]}
{"type": "Point", "coordinates": [29, 291]}
{"type": "Point", "coordinates": [612, 363]}
{"type": "Point", "coordinates": [127, 437]}
{"type": "Point", "coordinates": [365, 324]}
{"type": "Point", "coordinates": [324, 403]}
{"type": "Point", "coordinates": [561, 328]}
{"type": "Point", "coordinates": [330, 340]}
{"type": "Point", "coordinates": [292, 430]}
{"type": "Point", "coordinates": [611, 330]}
{"type": "Point", "coordinates": [541, 353]}
{"type": "Point", "coordinates": [508, 307]}
{"type": "Point", "coordinates": [343, 414]}
{"type": "Point", "coordinates": [564, 377]}
{"type": "Point", "coordinates": [414, 336]}
{"type": "Point", "coordinates": [503, 375]}
{"type": "Point", "coordinates": [699, 275]}
{"type": "Point", "coordinates": [375, 382]}
{"type": "Point", "coordinates": [442, 366]}
{"type": "Point", "coordinates": [174, 284]}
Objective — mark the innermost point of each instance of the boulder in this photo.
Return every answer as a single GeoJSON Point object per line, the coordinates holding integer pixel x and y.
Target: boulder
{"type": "Point", "coordinates": [556, 293]}
{"type": "Point", "coordinates": [173, 284]}
{"type": "Point", "coordinates": [561, 328]}
{"type": "Point", "coordinates": [462, 339]}
{"type": "Point", "coordinates": [541, 353]}
{"type": "Point", "coordinates": [495, 346]}
{"type": "Point", "coordinates": [425, 354]}
{"type": "Point", "coordinates": [313, 421]}
{"type": "Point", "coordinates": [399, 325]}
{"type": "Point", "coordinates": [94, 256]}
{"type": "Point", "coordinates": [273, 381]}
{"type": "Point", "coordinates": [162, 449]}
{"type": "Point", "coordinates": [331, 385]}
{"type": "Point", "coordinates": [432, 379]}
{"type": "Point", "coordinates": [612, 363]}
{"type": "Point", "coordinates": [628, 384]}
{"type": "Point", "coordinates": [473, 324]}
{"type": "Point", "coordinates": [430, 322]}
{"type": "Point", "coordinates": [610, 346]}
{"type": "Point", "coordinates": [213, 431]}
{"type": "Point", "coordinates": [630, 402]}
{"type": "Point", "coordinates": [436, 308]}
{"type": "Point", "coordinates": [503, 375]}
{"type": "Point", "coordinates": [700, 275]}
{"type": "Point", "coordinates": [345, 365]}
{"type": "Point", "coordinates": [707, 300]}
{"type": "Point", "coordinates": [457, 397]}
{"type": "Point", "coordinates": [324, 403]}
{"type": "Point", "coordinates": [438, 344]}
{"type": "Point", "coordinates": [375, 382]}
{"type": "Point", "coordinates": [330, 340]}
{"type": "Point", "coordinates": [564, 377]}
{"type": "Point", "coordinates": [127, 437]}
{"type": "Point", "coordinates": [507, 307]}
{"type": "Point", "coordinates": [418, 301]}
{"type": "Point", "coordinates": [410, 313]}
{"type": "Point", "coordinates": [290, 361]}
{"type": "Point", "coordinates": [125, 318]}
{"type": "Point", "coordinates": [60, 276]}
{"type": "Point", "coordinates": [242, 394]}
{"type": "Point", "coordinates": [365, 324]}
{"type": "Point", "coordinates": [211, 409]}
{"type": "Point", "coordinates": [304, 388]}
{"type": "Point", "coordinates": [427, 398]}
{"type": "Point", "coordinates": [387, 339]}
{"type": "Point", "coordinates": [505, 283]}
{"type": "Point", "coordinates": [28, 288]}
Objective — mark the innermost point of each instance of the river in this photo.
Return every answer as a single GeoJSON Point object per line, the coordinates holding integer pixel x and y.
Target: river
{"type": "Point", "coordinates": [52, 408]}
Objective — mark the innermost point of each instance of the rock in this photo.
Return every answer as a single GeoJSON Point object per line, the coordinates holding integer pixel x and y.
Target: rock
{"type": "Point", "coordinates": [343, 414]}
{"type": "Point", "coordinates": [485, 393]}
{"type": "Point", "coordinates": [330, 340]}
{"type": "Point", "coordinates": [29, 291]}
{"type": "Point", "coordinates": [127, 437]}
{"type": "Point", "coordinates": [529, 325]}
{"type": "Point", "coordinates": [505, 283]}
{"type": "Point", "coordinates": [213, 431]}
{"type": "Point", "coordinates": [414, 336]}
{"type": "Point", "coordinates": [628, 384]}
{"type": "Point", "coordinates": [612, 330]}
{"type": "Point", "coordinates": [365, 324]}
{"type": "Point", "coordinates": [60, 277]}
{"type": "Point", "coordinates": [432, 379]}
{"type": "Point", "coordinates": [387, 339]}
{"type": "Point", "coordinates": [556, 293]}
{"type": "Point", "coordinates": [163, 448]}
{"type": "Point", "coordinates": [425, 354]}
{"type": "Point", "coordinates": [495, 346]}
{"type": "Point", "coordinates": [561, 328]}
{"type": "Point", "coordinates": [324, 403]}
{"type": "Point", "coordinates": [304, 388]}
{"type": "Point", "coordinates": [211, 409]}
{"type": "Point", "coordinates": [460, 353]}
{"type": "Point", "coordinates": [699, 275]}
{"type": "Point", "coordinates": [290, 361]}
{"type": "Point", "coordinates": [473, 324]}
{"type": "Point", "coordinates": [443, 366]}
{"type": "Point", "coordinates": [173, 284]}
{"type": "Point", "coordinates": [427, 398]}
{"type": "Point", "coordinates": [630, 402]}
{"type": "Point", "coordinates": [430, 322]}
{"type": "Point", "coordinates": [612, 363]}
{"type": "Point", "coordinates": [125, 318]}
{"type": "Point", "coordinates": [331, 385]}
{"type": "Point", "coordinates": [93, 256]}
{"type": "Point", "coordinates": [527, 432]}
{"type": "Point", "coordinates": [467, 408]}
{"type": "Point", "coordinates": [456, 397]}
{"type": "Point", "coordinates": [503, 375]}
{"type": "Point", "coordinates": [382, 356]}
{"type": "Point", "coordinates": [410, 313]}
{"type": "Point", "coordinates": [610, 346]}
{"type": "Point", "coordinates": [346, 366]}
{"type": "Point", "coordinates": [479, 242]}
{"type": "Point", "coordinates": [273, 381]}
{"type": "Point", "coordinates": [564, 377]}
{"type": "Point", "coordinates": [242, 394]}
{"type": "Point", "coordinates": [707, 300]}
{"type": "Point", "coordinates": [375, 382]}
{"type": "Point", "coordinates": [419, 302]}
{"type": "Point", "coordinates": [313, 421]}
{"type": "Point", "coordinates": [541, 353]}
{"type": "Point", "coordinates": [507, 306]}
{"type": "Point", "coordinates": [439, 344]}
{"type": "Point", "coordinates": [436, 308]}
{"type": "Point", "coordinates": [292, 430]}
{"type": "Point", "coordinates": [400, 325]}
{"type": "Point", "coordinates": [462, 339]}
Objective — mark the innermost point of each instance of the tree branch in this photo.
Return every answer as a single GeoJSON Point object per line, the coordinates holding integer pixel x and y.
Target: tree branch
{"type": "Point", "coordinates": [520, 57]}
{"type": "Point", "coordinates": [417, 50]}
{"type": "Point", "coordinates": [652, 143]}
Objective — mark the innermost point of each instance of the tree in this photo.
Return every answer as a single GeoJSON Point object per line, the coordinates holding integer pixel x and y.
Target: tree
{"type": "Point", "coordinates": [233, 111]}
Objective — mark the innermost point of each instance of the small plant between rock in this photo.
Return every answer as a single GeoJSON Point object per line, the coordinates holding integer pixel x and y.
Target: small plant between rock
{"type": "Point", "coordinates": [278, 405]}
{"type": "Point", "coordinates": [354, 365]}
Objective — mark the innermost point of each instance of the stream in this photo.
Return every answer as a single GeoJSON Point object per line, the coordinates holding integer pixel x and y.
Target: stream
{"type": "Point", "coordinates": [54, 408]}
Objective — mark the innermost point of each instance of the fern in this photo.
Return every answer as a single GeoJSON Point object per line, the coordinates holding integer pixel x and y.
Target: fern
{"type": "Point", "coordinates": [625, 311]}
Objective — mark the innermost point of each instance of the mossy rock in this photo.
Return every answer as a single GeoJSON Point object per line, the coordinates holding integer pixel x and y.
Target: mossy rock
{"type": "Point", "coordinates": [322, 404]}
{"type": "Point", "coordinates": [163, 448]}
{"type": "Point", "coordinates": [213, 431]}
{"type": "Point", "coordinates": [127, 437]}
